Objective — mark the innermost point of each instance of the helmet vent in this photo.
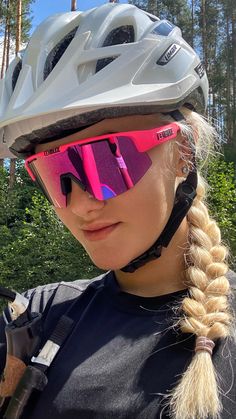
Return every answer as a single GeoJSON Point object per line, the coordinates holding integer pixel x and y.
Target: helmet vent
{"type": "Point", "coordinates": [16, 74]}
{"type": "Point", "coordinates": [152, 17]}
{"type": "Point", "coordinates": [121, 35]}
{"type": "Point", "coordinates": [57, 52]}
{"type": "Point", "coordinates": [103, 62]}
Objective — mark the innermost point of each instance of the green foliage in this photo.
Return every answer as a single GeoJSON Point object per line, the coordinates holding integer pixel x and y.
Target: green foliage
{"type": "Point", "coordinates": [222, 200]}
{"type": "Point", "coordinates": [35, 248]}
{"type": "Point", "coordinates": [11, 12]}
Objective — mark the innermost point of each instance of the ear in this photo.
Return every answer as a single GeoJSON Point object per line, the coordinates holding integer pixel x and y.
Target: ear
{"type": "Point", "coordinates": [184, 156]}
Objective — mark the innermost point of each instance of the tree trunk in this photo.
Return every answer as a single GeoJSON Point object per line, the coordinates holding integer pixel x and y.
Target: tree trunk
{"type": "Point", "coordinates": [18, 26]}
{"type": "Point", "coordinates": [204, 33]}
{"type": "Point", "coordinates": [192, 24]}
{"type": "Point", "coordinates": [12, 173]}
{"type": "Point", "coordinates": [5, 55]}
{"type": "Point", "coordinates": [234, 71]}
{"type": "Point", "coordinates": [17, 48]}
{"type": "Point", "coordinates": [73, 5]}
{"type": "Point", "coordinates": [8, 35]}
{"type": "Point", "coordinates": [4, 51]}
{"type": "Point", "coordinates": [228, 81]}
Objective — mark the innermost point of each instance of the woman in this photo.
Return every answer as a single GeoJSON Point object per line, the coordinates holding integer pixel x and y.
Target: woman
{"type": "Point", "coordinates": [103, 106]}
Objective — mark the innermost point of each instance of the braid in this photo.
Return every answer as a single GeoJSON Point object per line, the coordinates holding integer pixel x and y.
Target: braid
{"type": "Point", "coordinates": [205, 313]}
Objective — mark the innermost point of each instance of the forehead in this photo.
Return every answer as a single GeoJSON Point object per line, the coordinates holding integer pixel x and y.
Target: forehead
{"type": "Point", "coordinates": [108, 126]}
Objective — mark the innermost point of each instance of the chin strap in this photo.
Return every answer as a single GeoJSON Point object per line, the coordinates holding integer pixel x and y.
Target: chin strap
{"type": "Point", "coordinates": [184, 197]}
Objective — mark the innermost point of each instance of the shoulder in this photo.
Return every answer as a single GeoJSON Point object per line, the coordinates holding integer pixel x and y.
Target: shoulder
{"type": "Point", "coordinates": [56, 300]}
{"type": "Point", "coordinates": [42, 298]}
{"type": "Point", "coordinates": [57, 297]}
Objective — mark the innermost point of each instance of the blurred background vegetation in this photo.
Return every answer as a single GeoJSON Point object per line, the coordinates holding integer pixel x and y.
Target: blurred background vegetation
{"type": "Point", "coordinates": [35, 248]}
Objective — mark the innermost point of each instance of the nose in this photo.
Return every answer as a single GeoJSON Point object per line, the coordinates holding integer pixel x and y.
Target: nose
{"type": "Point", "coordinates": [81, 203]}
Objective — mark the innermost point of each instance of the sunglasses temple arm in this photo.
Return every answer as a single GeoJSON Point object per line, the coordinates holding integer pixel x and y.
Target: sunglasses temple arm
{"type": "Point", "coordinates": [91, 171]}
{"type": "Point", "coordinates": [124, 171]}
{"type": "Point", "coordinates": [122, 166]}
{"type": "Point", "coordinates": [30, 173]}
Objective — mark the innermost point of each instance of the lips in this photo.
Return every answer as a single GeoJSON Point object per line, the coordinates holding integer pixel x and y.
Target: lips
{"type": "Point", "coordinates": [97, 227]}
{"type": "Point", "coordinates": [99, 231]}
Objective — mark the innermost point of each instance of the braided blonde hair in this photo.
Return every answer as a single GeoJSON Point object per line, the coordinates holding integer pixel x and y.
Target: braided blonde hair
{"type": "Point", "coordinates": [206, 312]}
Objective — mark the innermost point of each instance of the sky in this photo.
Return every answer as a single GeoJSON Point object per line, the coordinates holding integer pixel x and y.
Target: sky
{"type": "Point", "coordinates": [41, 9]}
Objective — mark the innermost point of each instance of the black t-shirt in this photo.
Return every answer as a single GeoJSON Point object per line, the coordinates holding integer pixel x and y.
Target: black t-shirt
{"type": "Point", "coordinates": [122, 357]}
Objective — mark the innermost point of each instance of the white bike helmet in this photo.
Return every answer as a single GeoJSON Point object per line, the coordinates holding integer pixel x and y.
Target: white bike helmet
{"type": "Point", "coordinates": [80, 68]}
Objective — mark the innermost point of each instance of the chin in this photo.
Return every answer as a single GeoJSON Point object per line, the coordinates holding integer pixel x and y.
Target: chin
{"type": "Point", "coordinates": [113, 256]}
{"type": "Point", "coordinates": [107, 263]}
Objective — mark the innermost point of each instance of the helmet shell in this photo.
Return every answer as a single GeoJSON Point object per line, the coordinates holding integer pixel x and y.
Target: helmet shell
{"type": "Point", "coordinates": [80, 68]}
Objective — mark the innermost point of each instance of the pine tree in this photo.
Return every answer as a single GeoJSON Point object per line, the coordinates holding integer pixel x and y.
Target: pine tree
{"type": "Point", "coordinates": [17, 49]}
{"type": "Point", "coordinates": [13, 35]}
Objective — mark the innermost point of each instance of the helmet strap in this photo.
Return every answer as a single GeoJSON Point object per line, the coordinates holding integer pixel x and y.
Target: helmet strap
{"type": "Point", "coordinates": [184, 197]}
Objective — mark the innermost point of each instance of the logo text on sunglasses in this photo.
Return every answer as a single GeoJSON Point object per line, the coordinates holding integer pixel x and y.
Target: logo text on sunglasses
{"type": "Point", "coordinates": [51, 151]}
{"type": "Point", "coordinates": [163, 134]}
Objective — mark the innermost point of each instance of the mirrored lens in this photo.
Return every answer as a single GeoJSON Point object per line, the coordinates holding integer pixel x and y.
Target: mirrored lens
{"type": "Point", "coordinates": [104, 168]}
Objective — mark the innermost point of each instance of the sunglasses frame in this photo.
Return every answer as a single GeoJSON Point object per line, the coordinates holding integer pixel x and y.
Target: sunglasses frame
{"type": "Point", "coordinates": [144, 140]}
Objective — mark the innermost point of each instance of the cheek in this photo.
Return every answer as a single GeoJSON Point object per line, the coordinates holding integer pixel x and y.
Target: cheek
{"type": "Point", "coordinates": [162, 178]}
{"type": "Point", "coordinates": [69, 220]}
{"type": "Point", "coordinates": [154, 201]}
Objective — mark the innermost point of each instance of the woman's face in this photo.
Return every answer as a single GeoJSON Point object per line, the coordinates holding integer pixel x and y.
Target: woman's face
{"type": "Point", "coordinates": [115, 231]}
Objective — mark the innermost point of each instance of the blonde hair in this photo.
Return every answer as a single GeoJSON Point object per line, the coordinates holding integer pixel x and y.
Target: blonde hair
{"type": "Point", "coordinates": [206, 311]}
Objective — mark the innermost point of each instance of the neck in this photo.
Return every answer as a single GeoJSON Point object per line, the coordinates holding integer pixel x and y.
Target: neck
{"type": "Point", "coordinates": [161, 276]}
